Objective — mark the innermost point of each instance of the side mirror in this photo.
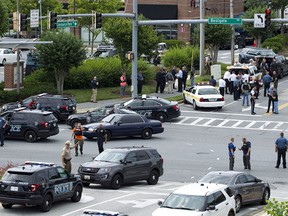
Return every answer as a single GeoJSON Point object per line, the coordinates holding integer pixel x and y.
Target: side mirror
{"type": "Point", "coordinates": [211, 207]}
{"type": "Point", "coordinates": [160, 203]}
{"type": "Point", "coordinates": [119, 123]}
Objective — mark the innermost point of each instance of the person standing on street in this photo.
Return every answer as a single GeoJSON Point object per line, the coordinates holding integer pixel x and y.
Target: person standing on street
{"type": "Point", "coordinates": [174, 76]}
{"type": "Point", "coordinates": [94, 84]}
{"type": "Point", "coordinates": [78, 138]}
{"type": "Point", "coordinates": [212, 81]}
{"type": "Point", "coordinates": [281, 146]}
{"type": "Point", "coordinates": [245, 87]}
{"type": "Point", "coordinates": [275, 101]}
{"type": "Point", "coordinates": [66, 156]}
{"type": "Point", "coordinates": [170, 82]}
{"type": "Point", "coordinates": [253, 99]}
{"type": "Point", "coordinates": [158, 79]}
{"type": "Point", "coordinates": [3, 124]}
{"type": "Point", "coordinates": [226, 78]}
{"type": "Point", "coordinates": [231, 151]}
{"type": "Point", "coordinates": [101, 137]}
{"type": "Point", "coordinates": [270, 99]}
{"type": "Point", "coordinates": [275, 79]}
{"type": "Point", "coordinates": [267, 79]}
{"type": "Point", "coordinates": [222, 85]}
{"type": "Point", "coordinates": [123, 84]}
{"type": "Point", "coordinates": [246, 148]}
{"type": "Point", "coordinates": [139, 82]}
{"type": "Point", "coordinates": [185, 76]}
{"type": "Point", "coordinates": [179, 77]}
{"type": "Point", "coordinates": [192, 76]}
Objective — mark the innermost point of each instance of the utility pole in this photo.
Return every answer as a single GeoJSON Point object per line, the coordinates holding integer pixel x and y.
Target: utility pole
{"type": "Point", "coordinates": [41, 28]}
{"type": "Point", "coordinates": [74, 29]}
{"type": "Point", "coordinates": [17, 52]}
{"type": "Point", "coordinates": [134, 49]}
{"type": "Point", "coordinates": [233, 34]}
{"type": "Point", "coordinates": [202, 39]}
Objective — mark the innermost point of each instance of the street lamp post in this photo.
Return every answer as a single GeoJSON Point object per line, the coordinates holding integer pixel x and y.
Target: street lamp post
{"type": "Point", "coordinates": [41, 29]}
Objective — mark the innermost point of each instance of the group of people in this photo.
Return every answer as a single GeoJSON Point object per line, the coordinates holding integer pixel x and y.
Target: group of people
{"type": "Point", "coordinates": [281, 146]}
{"type": "Point", "coordinates": [77, 135]}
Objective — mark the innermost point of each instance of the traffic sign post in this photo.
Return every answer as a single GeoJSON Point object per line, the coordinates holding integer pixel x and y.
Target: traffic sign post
{"type": "Point", "coordinates": [34, 18]}
{"type": "Point", "coordinates": [225, 21]}
{"type": "Point", "coordinates": [67, 24]}
{"type": "Point", "coordinates": [259, 20]}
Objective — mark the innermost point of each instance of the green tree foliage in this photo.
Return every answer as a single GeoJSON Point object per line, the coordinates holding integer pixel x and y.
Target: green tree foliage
{"type": "Point", "coordinates": [280, 5]}
{"type": "Point", "coordinates": [120, 30]}
{"type": "Point", "coordinates": [58, 58]}
{"type": "Point", "coordinates": [276, 208]}
{"type": "Point", "coordinates": [248, 4]}
{"type": "Point", "coordinates": [4, 24]}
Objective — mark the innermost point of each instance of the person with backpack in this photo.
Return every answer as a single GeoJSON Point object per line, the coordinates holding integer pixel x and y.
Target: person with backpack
{"type": "Point", "coordinates": [245, 87]}
{"type": "Point", "coordinates": [231, 151]}
{"type": "Point", "coordinates": [170, 82]}
{"type": "Point", "coordinates": [246, 148]}
{"type": "Point", "coordinates": [78, 138]}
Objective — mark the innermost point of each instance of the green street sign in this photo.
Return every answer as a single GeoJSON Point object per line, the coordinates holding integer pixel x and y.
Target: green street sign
{"type": "Point", "coordinates": [67, 24]}
{"type": "Point", "coordinates": [225, 21]}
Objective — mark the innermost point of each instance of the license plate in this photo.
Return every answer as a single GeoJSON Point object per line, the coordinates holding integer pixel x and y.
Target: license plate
{"type": "Point", "coordinates": [13, 188]}
{"type": "Point", "coordinates": [212, 99]}
{"type": "Point", "coordinates": [87, 177]}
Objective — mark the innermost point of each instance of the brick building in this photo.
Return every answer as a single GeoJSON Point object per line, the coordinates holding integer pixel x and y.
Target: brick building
{"type": "Point", "coordinates": [182, 9]}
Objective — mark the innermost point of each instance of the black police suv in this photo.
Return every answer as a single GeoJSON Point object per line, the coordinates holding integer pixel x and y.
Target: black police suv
{"type": "Point", "coordinates": [153, 107]}
{"type": "Point", "coordinates": [114, 167]}
{"type": "Point", "coordinates": [38, 184]}
{"type": "Point", "coordinates": [30, 124]}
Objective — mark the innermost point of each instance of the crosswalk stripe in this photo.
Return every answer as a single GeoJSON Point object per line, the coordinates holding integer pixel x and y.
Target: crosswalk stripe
{"type": "Point", "coordinates": [237, 123]}
{"type": "Point", "coordinates": [278, 125]}
{"type": "Point", "coordinates": [264, 125]}
{"type": "Point", "coordinates": [222, 123]}
{"type": "Point", "coordinates": [209, 122]}
{"type": "Point", "coordinates": [196, 121]}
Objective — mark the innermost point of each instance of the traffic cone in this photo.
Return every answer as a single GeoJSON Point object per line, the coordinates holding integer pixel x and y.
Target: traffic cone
{"type": "Point", "coordinates": [254, 43]}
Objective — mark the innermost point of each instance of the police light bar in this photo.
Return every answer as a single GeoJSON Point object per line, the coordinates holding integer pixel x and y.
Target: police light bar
{"type": "Point", "coordinates": [35, 163]}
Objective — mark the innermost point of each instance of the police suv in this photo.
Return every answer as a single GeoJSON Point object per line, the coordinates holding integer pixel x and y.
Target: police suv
{"type": "Point", "coordinates": [38, 184]}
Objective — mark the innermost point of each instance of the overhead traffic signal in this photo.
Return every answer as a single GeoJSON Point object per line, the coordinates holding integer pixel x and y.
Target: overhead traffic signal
{"type": "Point", "coordinates": [267, 18]}
{"type": "Point", "coordinates": [11, 21]}
{"type": "Point", "coordinates": [98, 22]}
{"type": "Point", "coordinates": [23, 22]}
{"type": "Point", "coordinates": [52, 20]}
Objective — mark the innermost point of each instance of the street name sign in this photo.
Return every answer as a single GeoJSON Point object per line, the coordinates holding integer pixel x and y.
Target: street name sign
{"type": "Point", "coordinates": [225, 21]}
{"type": "Point", "coordinates": [67, 24]}
{"type": "Point", "coordinates": [259, 20]}
{"type": "Point", "coordinates": [34, 18]}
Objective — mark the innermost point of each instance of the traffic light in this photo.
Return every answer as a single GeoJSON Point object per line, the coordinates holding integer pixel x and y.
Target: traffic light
{"type": "Point", "coordinates": [267, 18]}
{"type": "Point", "coordinates": [11, 21]}
{"type": "Point", "coordinates": [98, 20]}
{"type": "Point", "coordinates": [23, 22]}
{"type": "Point", "coordinates": [52, 20]}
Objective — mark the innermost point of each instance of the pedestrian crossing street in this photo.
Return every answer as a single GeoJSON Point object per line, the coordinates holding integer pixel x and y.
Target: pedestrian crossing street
{"type": "Point", "coordinates": [247, 124]}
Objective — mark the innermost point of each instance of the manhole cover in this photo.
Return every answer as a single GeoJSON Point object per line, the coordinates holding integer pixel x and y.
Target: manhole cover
{"type": "Point", "coordinates": [202, 153]}
{"type": "Point", "coordinates": [281, 183]}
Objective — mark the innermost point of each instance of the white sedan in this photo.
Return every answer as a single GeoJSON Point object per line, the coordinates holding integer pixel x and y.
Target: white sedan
{"type": "Point", "coordinates": [203, 96]}
{"type": "Point", "coordinates": [7, 55]}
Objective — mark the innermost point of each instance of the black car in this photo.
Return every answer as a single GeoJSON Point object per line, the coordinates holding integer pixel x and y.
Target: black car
{"type": "Point", "coordinates": [119, 125]}
{"type": "Point", "coordinates": [239, 42]}
{"type": "Point", "coordinates": [114, 167]}
{"type": "Point", "coordinates": [245, 187]}
{"type": "Point", "coordinates": [95, 115]}
{"type": "Point", "coordinates": [38, 184]}
{"type": "Point", "coordinates": [61, 105]}
{"type": "Point", "coordinates": [153, 107]}
{"type": "Point", "coordinates": [102, 213]}
{"type": "Point", "coordinates": [250, 53]}
{"type": "Point", "coordinates": [30, 124]}
{"type": "Point", "coordinates": [280, 65]}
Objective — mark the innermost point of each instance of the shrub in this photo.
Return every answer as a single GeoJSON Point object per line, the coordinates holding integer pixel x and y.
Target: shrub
{"type": "Point", "coordinates": [175, 43]}
{"type": "Point", "coordinates": [275, 46]}
{"type": "Point", "coordinates": [5, 167]}
{"type": "Point", "coordinates": [276, 208]}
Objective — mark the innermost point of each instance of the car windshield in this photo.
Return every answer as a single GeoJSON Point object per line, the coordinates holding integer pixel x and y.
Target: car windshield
{"type": "Point", "coordinates": [219, 179]}
{"type": "Point", "coordinates": [207, 91]}
{"type": "Point", "coordinates": [183, 201]}
{"type": "Point", "coordinates": [110, 156]}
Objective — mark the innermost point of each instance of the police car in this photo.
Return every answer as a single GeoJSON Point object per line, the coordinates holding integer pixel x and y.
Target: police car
{"type": "Point", "coordinates": [101, 213]}
{"type": "Point", "coordinates": [203, 96]}
{"type": "Point", "coordinates": [38, 184]}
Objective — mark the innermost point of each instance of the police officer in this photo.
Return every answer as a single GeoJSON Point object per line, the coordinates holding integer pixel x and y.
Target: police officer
{"type": "Point", "coordinates": [281, 145]}
{"type": "Point", "coordinates": [101, 137]}
{"type": "Point", "coordinates": [66, 156]}
{"type": "Point", "coordinates": [246, 148]}
{"type": "Point", "coordinates": [3, 124]}
{"type": "Point", "coordinates": [231, 150]}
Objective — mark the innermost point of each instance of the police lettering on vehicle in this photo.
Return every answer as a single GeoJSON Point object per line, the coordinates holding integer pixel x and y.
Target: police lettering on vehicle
{"type": "Point", "coordinates": [15, 128]}
{"type": "Point", "coordinates": [147, 113]}
{"type": "Point", "coordinates": [63, 188]}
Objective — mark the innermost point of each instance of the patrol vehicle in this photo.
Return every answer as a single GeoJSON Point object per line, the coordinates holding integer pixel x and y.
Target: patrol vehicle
{"type": "Point", "coordinates": [38, 184]}
{"type": "Point", "coordinates": [30, 124]}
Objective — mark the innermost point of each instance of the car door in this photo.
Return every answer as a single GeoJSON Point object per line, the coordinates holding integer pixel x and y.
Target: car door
{"type": "Point", "coordinates": [255, 187]}
{"type": "Point", "coordinates": [143, 165]}
{"type": "Point", "coordinates": [136, 106]}
{"type": "Point", "coordinates": [130, 167]}
{"type": "Point", "coordinates": [218, 200]}
{"type": "Point", "coordinates": [243, 187]}
{"type": "Point", "coordinates": [126, 126]}
{"type": "Point", "coordinates": [96, 115]}
{"type": "Point", "coordinates": [150, 108]}
{"type": "Point", "coordinates": [18, 124]}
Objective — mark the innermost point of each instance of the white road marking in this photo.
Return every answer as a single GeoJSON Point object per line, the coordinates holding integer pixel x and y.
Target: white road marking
{"type": "Point", "coordinates": [85, 198]}
{"type": "Point", "coordinates": [264, 125]}
{"type": "Point", "coordinates": [237, 123]}
{"type": "Point", "coordinates": [250, 125]}
{"type": "Point", "coordinates": [211, 150]}
{"type": "Point", "coordinates": [141, 203]}
{"type": "Point", "coordinates": [222, 113]}
{"type": "Point", "coordinates": [209, 122]}
{"type": "Point", "coordinates": [278, 125]}
{"type": "Point", "coordinates": [183, 120]}
{"type": "Point", "coordinates": [196, 121]}
{"type": "Point", "coordinates": [222, 123]}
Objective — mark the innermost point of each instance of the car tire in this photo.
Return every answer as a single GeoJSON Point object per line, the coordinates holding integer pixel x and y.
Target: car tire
{"type": "Point", "coordinates": [265, 197]}
{"type": "Point", "coordinates": [73, 122]}
{"type": "Point", "coordinates": [116, 182]}
{"type": "Point", "coordinates": [30, 136]}
{"type": "Point", "coordinates": [161, 117]}
{"type": "Point", "coordinates": [86, 184]}
{"type": "Point", "coordinates": [238, 203]}
{"type": "Point", "coordinates": [195, 107]}
{"type": "Point", "coordinates": [147, 133]}
{"type": "Point", "coordinates": [6, 206]}
{"type": "Point", "coordinates": [3, 61]}
{"type": "Point", "coordinates": [153, 178]}
{"type": "Point", "coordinates": [231, 213]}
{"type": "Point", "coordinates": [77, 194]}
{"type": "Point", "coordinates": [184, 100]}
{"type": "Point", "coordinates": [47, 203]}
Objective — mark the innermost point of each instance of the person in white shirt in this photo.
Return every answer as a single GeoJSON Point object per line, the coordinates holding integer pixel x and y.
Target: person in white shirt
{"type": "Point", "coordinates": [246, 77]}
{"type": "Point", "coordinates": [226, 78]}
{"type": "Point", "coordinates": [232, 78]}
{"type": "Point", "coordinates": [222, 85]}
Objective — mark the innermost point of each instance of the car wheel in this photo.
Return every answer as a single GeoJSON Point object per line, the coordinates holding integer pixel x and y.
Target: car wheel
{"type": "Point", "coordinates": [47, 203]}
{"type": "Point", "coordinates": [116, 182]}
{"type": "Point", "coordinates": [74, 122]}
{"type": "Point", "coordinates": [265, 197]}
{"type": "Point", "coordinates": [77, 194]}
{"type": "Point", "coordinates": [231, 213]}
{"type": "Point", "coordinates": [3, 61]}
{"type": "Point", "coordinates": [184, 99]}
{"type": "Point", "coordinates": [30, 136]}
{"type": "Point", "coordinates": [161, 117]}
{"type": "Point", "coordinates": [146, 133]}
{"type": "Point", "coordinates": [153, 178]}
{"type": "Point", "coordinates": [86, 184]}
{"type": "Point", "coordinates": [6, 206]}
{"type": "Point", "coordinates": [238, 203]}
{"type": "Point", "coordinates": [195, 107]}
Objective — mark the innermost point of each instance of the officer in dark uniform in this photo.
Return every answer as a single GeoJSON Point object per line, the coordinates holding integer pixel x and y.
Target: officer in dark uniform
{"type": "Point", "coordinates": [101, 137]}
{"type": "Point", "coordinates": [3, 124]}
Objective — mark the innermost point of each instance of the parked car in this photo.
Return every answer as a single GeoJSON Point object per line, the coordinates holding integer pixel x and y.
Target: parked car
{"type": "Point", "coordinates": [250, 53]}
{"type": "Point", "coordinates": [7, 55]}
{"type": "Point", "coordinates": [95, 115]}
{"type": "Point", "coordinates": [30, 124]}
{"type": "Point", "coordinates": [245, 187]}
{"type": "Point", "coordinates": [249, 69]}
{"type": "Point", "coordinates": [203, 96]}
{"type": "Point", "coordinates": [119, 125]}
{"type": "Point", "coordinates": [153, 107]}
{"type": "Point", "coordinates": [198, 199]}
{"type": "Point", "coordinates": [114, 167]}
{"type": "Point", "coordinates": [38, 184]}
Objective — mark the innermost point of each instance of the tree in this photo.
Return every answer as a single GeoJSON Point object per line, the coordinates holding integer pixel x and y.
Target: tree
{"type": "Point", "coordinates": [120, 30]}
{"type": "Point", "coordinates": [58, 58]}
{"type": "Point", "coordinates": [280, 5]}
{"type": "Point", "coordinates": [248, 4]}
{"type": "Point", "coordinates": [3, 18]}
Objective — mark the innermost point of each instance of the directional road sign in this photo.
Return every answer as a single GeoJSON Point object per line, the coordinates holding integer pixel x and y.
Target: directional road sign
{"type": "Point", "coordinates": [67, 24]}
{"type": "Point", "coordinates": [227, 21]}
{"type": "Point", "coordinates": [259, 20]}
